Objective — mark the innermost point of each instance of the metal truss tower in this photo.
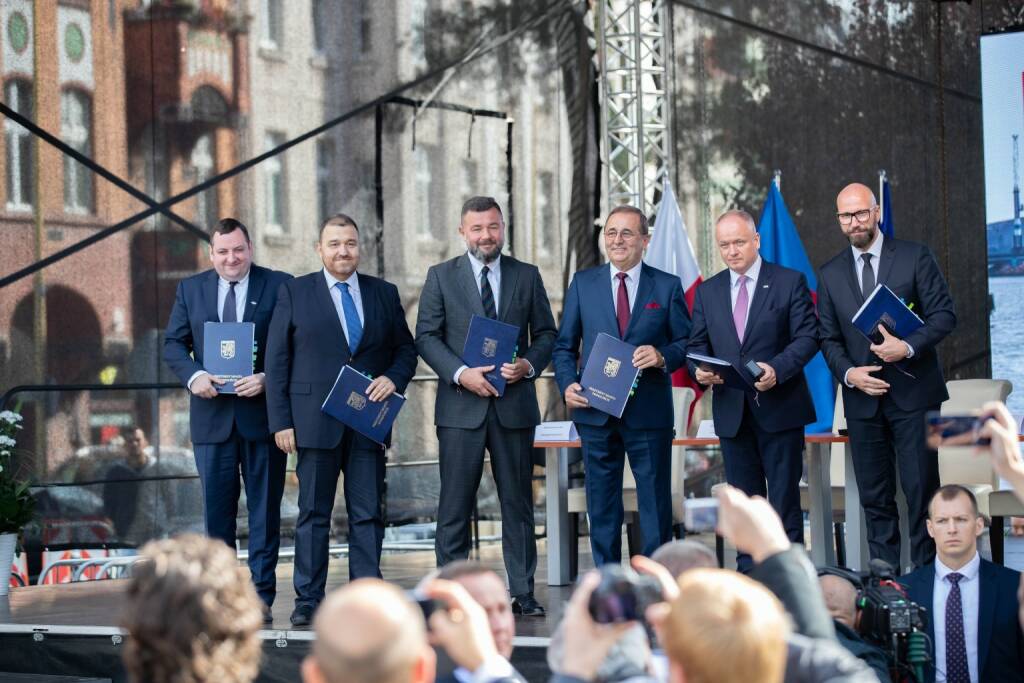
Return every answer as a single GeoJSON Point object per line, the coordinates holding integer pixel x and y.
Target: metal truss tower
{"type": "Point", "coordinates": [635, 56]}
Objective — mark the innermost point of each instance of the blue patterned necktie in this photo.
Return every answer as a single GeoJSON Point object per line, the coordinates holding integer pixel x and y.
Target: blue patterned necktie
{"type": "Point", "coordinates": [487, 294]}
{"type": "Point", "coordinates": [348, 306]}
{"type": "Point", "coordinates": [229, 314]}
{"type": "Point", "coordinates": [956, 650]}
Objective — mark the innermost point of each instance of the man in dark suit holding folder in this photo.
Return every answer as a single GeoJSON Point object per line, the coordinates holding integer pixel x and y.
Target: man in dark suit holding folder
{"type": "Point", "coordinates": [887, 387]}
{"type": "Point", "coordinates": [645, 307]}
{"type": "Point", "coordinates": [469, 415]}
{"type": "Point", "coordinates": [324, 321]}
{"type": "Point", "coordinates": [761, 312]}
{"type": "Point", "coordinates": [229, 431]}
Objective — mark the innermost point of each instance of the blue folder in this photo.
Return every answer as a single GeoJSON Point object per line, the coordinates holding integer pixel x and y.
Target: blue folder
{"type": "Point", "coordinates": [490, 342]}
{"type": "Point", "coordinates": [229, 352]}
{"type": "Point", "coordinates": [348, 403]}
{"type": "Point", "coordinates": [609, 376]}
{"type": "Point", "coordinates": [884, 308]}
{"type": "Point", "coordinates": [733, 377]}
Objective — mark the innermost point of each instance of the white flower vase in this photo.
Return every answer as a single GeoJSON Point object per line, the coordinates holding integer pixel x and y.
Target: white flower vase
{"type": "Point", "coordinates": [7, 543]}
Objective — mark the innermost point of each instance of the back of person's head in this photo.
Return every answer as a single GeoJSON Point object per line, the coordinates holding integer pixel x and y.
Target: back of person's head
{"type": "Point", "coordinates": [192, 615]}
{"type": "Point", "coordinates": [682, 556]}
{"type": "Point", "coordinates": [724, 626]}
{"type": "Point", "coordinates": [840, 598]}
{"type": "Point", "coordinates": [369, 632]}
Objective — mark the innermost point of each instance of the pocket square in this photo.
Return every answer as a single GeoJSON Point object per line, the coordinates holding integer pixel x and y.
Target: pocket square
{"type": "Point", "coordinates": [653, 304]}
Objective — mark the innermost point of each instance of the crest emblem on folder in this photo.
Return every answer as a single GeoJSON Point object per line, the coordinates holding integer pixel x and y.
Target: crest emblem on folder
{"type": "Point", "coordinates": [227, 349]}
{"type": "Point", "coordinates": [356, 401]}
{"type": "Point", "coordinates": [611, 367]}
{"type": "Point", "coordinates": [490, 347]}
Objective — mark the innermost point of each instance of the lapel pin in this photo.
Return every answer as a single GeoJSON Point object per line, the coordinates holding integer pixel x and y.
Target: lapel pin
{"type": "Point", "coordinates": [253, 303]}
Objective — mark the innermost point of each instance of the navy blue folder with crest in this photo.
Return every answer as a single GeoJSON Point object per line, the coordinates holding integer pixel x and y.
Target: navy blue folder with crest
{"type": "Point", "coordinates": [490, 342]}
{"type": "Point", "coordinates": [229, 352]}
{"type": "Point", "coordinates": [609, 376]}
{"type": "Point", "coordinates": [884, 308]}
{"type": "Point", "coordinates": [733, 377]}
{"type": "Point", "coordinates": [348, 403]}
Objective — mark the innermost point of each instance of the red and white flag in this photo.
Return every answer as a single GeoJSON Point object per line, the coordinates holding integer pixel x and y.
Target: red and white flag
{"type": "Point", "coordinates": [670, 250]}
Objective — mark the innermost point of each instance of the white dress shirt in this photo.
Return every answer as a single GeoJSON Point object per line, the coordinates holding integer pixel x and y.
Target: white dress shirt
{"type": "Point", "coordinates": [734, 285]}
{"type": "Point", "coordinates": [223, 287]}
{"type": "Point", "coordinates": [632, 284]}
{"type": "Point", "coordinates": [491, 669]}
{"type": "Point", "coordinates": [970, 597]}
{"type": "Point", "coordinates": [353, 289]}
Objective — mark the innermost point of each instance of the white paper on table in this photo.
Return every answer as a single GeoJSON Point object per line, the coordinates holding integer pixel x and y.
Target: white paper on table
{"type": "Point", "coordinates": [547, 432]}
{"type": "Point", "coordinates": [706, 430]}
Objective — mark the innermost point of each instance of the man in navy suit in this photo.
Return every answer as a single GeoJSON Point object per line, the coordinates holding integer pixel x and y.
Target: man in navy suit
{"type": "Point", "coordinates": [887, 387]}
{"type": "Point", "coordinates": [324, 321]}
{"type": "Point", "coordinates": [644, 307]}
{"type": "Point", "coordinates": [972, 603]}
{"type": "Point", "coordinates": [758, 311]}
{"type": "Point", "coordinates": [229, 431]}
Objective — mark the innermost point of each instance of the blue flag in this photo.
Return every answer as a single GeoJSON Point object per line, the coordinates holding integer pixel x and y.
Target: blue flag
{"type": "Point", "coordinates": [886, 225]}
{"type": "Point", "coordinates": [780, 243]}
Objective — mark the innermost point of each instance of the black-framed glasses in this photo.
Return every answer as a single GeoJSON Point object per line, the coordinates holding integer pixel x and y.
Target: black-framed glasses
{"type": "Point", "coordinates": [862, 216]}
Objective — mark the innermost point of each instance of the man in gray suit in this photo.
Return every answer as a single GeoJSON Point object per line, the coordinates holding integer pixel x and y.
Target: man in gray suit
{"type": "Point", "coordinates": [469, 415]}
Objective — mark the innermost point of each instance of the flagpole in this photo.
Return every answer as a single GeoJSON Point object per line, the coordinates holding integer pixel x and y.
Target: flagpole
{"type": "Point", "coordinates": [882, 175]}
{"type": "Point", "coordinates": [777, 179]}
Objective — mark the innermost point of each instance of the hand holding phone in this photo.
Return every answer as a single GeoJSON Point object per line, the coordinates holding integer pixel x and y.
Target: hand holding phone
{"type": "Point", "coordinates": [962, 429]}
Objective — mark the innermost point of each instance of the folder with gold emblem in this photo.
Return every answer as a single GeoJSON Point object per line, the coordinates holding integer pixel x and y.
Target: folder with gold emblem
{"type": "Point", "coordinates": [348, 403]}
{"type": "Point", "coordinates": [609, 375]}
{"type": "Point", "coordinates": [490, 342]}
{"type": "Point", "coordinates": [229, 352]}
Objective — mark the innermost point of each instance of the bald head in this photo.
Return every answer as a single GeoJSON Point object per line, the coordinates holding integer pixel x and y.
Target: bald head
{"type": "Point", "coordinates": [369, 632]}
{"type": "Point", "coordinates": [840, 598]}
{"type": "Point", "coordinates": [682, 556]}
{"type": "Point", "coordinates": [737, 239]}
{"type": "Point", "coordinates": [857, 212]}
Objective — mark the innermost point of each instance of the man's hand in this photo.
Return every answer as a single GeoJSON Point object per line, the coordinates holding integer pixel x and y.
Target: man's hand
{"type": "Point", "coordinates": [202, 386]}
{"type": "Point", "coordinates": [669, 584]}
{"type": "Point", "coordinates": [706, 377]}
{"type": "Point", "coordinates": [252, 385]}
{"type": "Point", "coordinates": [647, 357]}
{"type": "Point", "coordinates": [1004, 448]}
{"type": "Point", "coordinates": [474, 380]}
{"type": "Point", "coordinates": [861, 378]}
{"type": "Point", "coordinates": [573, 397]}
{"type": "Point", "coordinates": [587, 643]}
{"type": "Point", "coordinates": [462, 630]}
{"type": "Point", "coordinates": [380, 388]}
{"type": "Point", "coordinates": [285, 440]}
{"type": "Point", "coordinates": [768, 379]}
{"type": "Point", "coordinates": [751, 524]}
{"type": "Point", "coordinates": [513, 372]}
{"type": "Point", "coordinates": [892, 349]}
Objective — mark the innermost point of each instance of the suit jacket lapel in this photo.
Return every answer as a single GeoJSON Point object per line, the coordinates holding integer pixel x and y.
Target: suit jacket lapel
{"type": "Point", "coordinates": [643, 292]}
{"type": "Point", "coordinates": [210, 297]}
{"type": "Point", "coordinates": [762, 290]}
{"type": "Point", "coordinates": [604, 290]}
{"type": "Point", "coordinates": [986, 611]}
{"type": "Point", "coordinates": [368, 295]}
{"type": "Point", "coordinates": [327, 309]}
{"type": "Point", "coordinates": [723, 291]}
{"type": "Point", "coordinates": [256, 284]}
{"type": "Point", "coordinates": [888, 259]}
{"type": "Point", "coordinates": [851, 276]}
{"type": "Point", "coordinates": [464, 274]}
{"type": "Point", "coordinates": [509, 279]}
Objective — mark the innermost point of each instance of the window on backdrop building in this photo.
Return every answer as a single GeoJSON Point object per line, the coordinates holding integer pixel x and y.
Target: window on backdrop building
{"type": "Point", "coordinates": [546, 221]}
{"type": "Point", "coordinates": [324, 178]}
{"type": "Point", "coordinates": [423, 192]}
{"type": "Point", "coordinates": [204, 165]}
{"type": "Point", "coordinates": [76, 131]}
{"type": "Point", "coordinates": [274, 186]}
{"type": "Point", "coordinates": [273, 24]}
{"type": "Point", "coordinates": [320, 16]}
{"type": "Point", "coordinates": [361, 44]}
{"type": "Point", "coordinates": [418, 29]}
{"type": "Point", "coordinates": [18, 143]}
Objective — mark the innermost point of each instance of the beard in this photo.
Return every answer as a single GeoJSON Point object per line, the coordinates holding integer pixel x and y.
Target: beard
{"type": "Point", "coordinates": [479, 254]}
{"type": "Point", "coordinates": [863, 239]}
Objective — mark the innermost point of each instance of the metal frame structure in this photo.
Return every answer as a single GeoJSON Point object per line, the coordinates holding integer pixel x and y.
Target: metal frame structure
{"type": "Point", "coordinates": [635, 55]}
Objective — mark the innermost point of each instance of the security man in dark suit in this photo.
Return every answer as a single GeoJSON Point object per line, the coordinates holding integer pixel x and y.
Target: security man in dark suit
{"type": "Point", "coordinates": [888, 386]}
{"type": "Point", "coordinates": [758, 311]}
{"type": "Point", "coordinates": [469, 415]}
{"type": "Point", "coordinates": [324, 321]}
{"type": "Point", "coordinates": [229, 431]}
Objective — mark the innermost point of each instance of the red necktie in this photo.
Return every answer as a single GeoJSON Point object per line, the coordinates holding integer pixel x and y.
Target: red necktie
{"type": "Point", "coordinates": [622, 305]}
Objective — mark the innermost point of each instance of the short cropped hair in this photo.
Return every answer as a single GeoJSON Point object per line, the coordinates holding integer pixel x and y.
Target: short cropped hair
{"type": "Point", "coordinates": [226, 226]}
{"type": "Point", "coordinates": [453, 571]}
{"type": "Point", "coordinates": [950, 492]}
{"type": "Point", "coordinates": [682, 556]}
{"type": "Point", "coordinates": [741, 214]}
{"type": "Point", "coordinates": [627, 208]}
{"type": "Point", "coordinates": [192, 615]}
{"type": "Point", "coordinates": [724, 626]}
{"type": "Point", "coordinates": [336, 219]}
{"type": "Point", "coordinates": [481, 204]}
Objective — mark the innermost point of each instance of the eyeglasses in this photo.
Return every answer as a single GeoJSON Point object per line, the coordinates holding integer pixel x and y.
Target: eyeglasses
{"type": "Point", "coordinates": [626, 235]}
{"type": "Point", "coordinates": [847, 218]}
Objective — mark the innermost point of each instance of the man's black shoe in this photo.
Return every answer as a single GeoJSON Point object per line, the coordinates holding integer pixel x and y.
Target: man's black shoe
{"type": "Point", "coordinates": [268, 615]}
{"type": "Point", "coordinates": [302, 616]}
{"type": "Point", "coordinates": [527, 606]}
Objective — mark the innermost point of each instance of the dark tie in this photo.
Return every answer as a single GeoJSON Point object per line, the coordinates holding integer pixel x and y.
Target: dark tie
{"type": "Point", "coordinates": [867, 278]}
{"type": "Point", "coordinates": [487, 294]}
{"type": "Point", "coordinates": [348, 307]}
{"type": "Point", "coordinates": [622, 305]}
{"type": "Point", "coordinates": [230, 312]}
{"type": "Point", "coordinates": [956, 650]}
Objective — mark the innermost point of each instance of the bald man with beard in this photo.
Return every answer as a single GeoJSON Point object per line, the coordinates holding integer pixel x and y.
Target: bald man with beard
{"type": "Point", "coordinates": [887, 386]}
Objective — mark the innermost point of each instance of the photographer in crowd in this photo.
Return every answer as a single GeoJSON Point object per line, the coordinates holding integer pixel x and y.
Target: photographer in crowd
{"type": "Point", "coordinates": [839, 588]}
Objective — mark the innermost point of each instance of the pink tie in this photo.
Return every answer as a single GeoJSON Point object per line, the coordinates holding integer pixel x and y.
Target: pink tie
{"type": "Point", "coordinates": [739, 314]}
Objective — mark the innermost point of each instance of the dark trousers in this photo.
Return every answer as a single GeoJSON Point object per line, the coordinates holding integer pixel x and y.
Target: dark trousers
{"type": "Point", "coordinates": [362, 463]}
{"type": "Point", "coordinates": [769, 464]}
{"type": "Point", "coordinates": [650, 457]}
{"type": "Point", "coordinates": [261, 465]}
{"type": "Point", "coordinates": [894, 437]}
{"type": "Point", "coordinates": [462, 464]}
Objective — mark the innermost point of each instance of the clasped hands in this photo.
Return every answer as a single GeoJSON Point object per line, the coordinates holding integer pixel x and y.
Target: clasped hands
{"type": "Point", "coordinates": [205, 385]}
{"type": "Point", "coordinates": [474, 378]}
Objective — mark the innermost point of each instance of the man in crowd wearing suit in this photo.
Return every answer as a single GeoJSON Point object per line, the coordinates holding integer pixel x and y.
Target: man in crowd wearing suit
{"type": "Point", "coordinates": [758, 311]}
{"type": "Point", "coordinates": [469, 415]}
{"type": "Point", "coordinates": [888, 386]}
{"type": "Point", "coordinates": [229, 431]}
{"type": "Point", "coordinates": [972, 603]}
{"type": "Point", "coordinates": [643, 306]}
{"type": "Point", "coordinates": [324, 321]}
